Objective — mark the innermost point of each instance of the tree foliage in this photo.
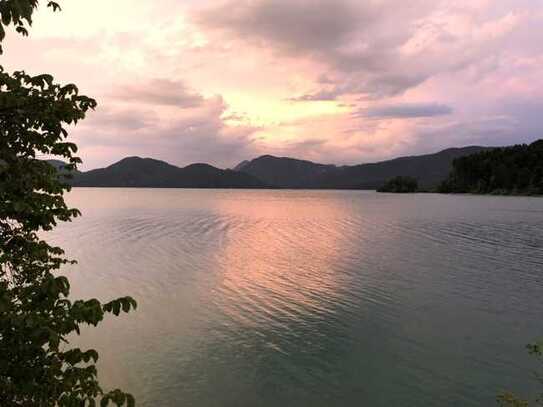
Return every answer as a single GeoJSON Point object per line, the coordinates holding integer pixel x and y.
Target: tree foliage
{"type": "Point", "coordinates": [37, 365]}
{"type": "Point", "coordinates": [510, 170]}
{"type": "Point", "coordinates": [400, 184]}
{"type": "Point", "coordinates": [19, 13]}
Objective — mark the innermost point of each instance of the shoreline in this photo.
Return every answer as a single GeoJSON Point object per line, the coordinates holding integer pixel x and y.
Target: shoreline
{"type": "Point", "coordinates": [315, 189]}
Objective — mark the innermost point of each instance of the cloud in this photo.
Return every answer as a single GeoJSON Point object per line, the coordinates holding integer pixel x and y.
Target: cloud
{"type": "Point", "coordinates": [318, 96]}
{"type": "Point", "coordinates": [129, 120]}
{"type": "Point", "coordinates": [159, 92]}
{"type": "Point", "coordinates": [405, 111]}
{"type": "Point", "coordinates": [327, 80]}
{"type": "Point", "coordinates": [484, 131]}
{"type": "Point", "coordinates": [356, 41]}
{"type": "Point", "coordinates": [368, 86]}
{"type": "Point", "coordinates": [373, 49]}
{"type": "Point", "coordinates": [179, 136]}
{"type": "Point", "coordinates": [294, 26]}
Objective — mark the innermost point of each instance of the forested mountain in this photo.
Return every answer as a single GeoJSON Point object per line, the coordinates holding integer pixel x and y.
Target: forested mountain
{"type": "Point", "coordinates": [429, 170]}
{"type": "Point", "coordinates": [146, 172]}
{"type": "Point", "coordinates": [508, 170]}
{"type": "Point", "coordinates": [284, 172]}
{"type": "Point", "coordinates": [269, 171]}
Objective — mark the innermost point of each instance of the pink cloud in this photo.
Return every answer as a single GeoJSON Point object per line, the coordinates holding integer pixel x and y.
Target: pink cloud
{"type": "Point", "coordinates": [342, 81]}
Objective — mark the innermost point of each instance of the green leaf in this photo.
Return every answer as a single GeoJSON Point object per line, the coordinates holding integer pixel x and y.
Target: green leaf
{"type": "Point", "coordinates": [116, 307]}
{"type": "Point", "coordinates": [21, 30]}
{"type": "Point", "coordinates": [36, 315]}
{"type": "Point", "coordinates": [54, 5]}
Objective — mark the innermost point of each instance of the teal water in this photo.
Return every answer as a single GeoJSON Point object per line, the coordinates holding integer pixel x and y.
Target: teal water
{"type": "Point", "coordinates": [311, 298]}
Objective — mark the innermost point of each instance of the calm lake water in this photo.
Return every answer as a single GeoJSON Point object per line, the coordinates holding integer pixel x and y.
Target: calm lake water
{"type": "Point", "coordinates": [311, 298]}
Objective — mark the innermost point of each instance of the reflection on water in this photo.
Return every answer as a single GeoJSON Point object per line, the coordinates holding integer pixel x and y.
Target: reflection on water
{"type": "Point", "coordinates": [317, 298]}
{"type": "Point", "coordinates": [273, 273]}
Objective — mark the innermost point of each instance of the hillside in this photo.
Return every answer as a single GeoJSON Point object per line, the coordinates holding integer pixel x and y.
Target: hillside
{"type": "Point", "coordinates": [284, 172]}
{"type": "Point", "coordinates": [269, 171]}
{"type": "Point", "coordinates": [147, 172]}
{"type": "Point", "coordinates": [429, 170]}
{"type": "Point", "coordinates": [510, 170]}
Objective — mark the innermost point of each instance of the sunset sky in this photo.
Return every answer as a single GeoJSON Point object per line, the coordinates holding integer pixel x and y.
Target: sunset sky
{"type": "Point", "coordinates": [333, 81]}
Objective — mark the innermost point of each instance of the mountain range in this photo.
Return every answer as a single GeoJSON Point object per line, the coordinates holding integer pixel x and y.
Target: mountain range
{"type": "Point", "coordinates": [272, 172]}
{"type": "Point", "coordinates": [150, 173]}
{"type": "Point", "coordinates": [284, 172]}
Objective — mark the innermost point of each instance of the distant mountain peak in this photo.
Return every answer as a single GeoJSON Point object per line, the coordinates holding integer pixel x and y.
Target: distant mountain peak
{"type": "Point", "coordinates": [285, 172]}
{"type": "Point", "coordinates": [292, 159]}
{"type": "Point", "coordinates": [269, 157]}
{"type": "Point", "coordinates": [201, 166]}
{"type": "Point", "coordinates": [131, 158]}
{"type": "Point", "coordinates": [151, 173]}
{"type": "Point", "coordinates": [240, 166]}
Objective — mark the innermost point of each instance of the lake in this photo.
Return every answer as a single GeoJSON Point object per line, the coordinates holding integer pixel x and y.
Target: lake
{"type": "Point", "coordinates": [310, 298]}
